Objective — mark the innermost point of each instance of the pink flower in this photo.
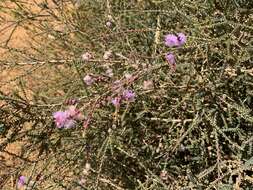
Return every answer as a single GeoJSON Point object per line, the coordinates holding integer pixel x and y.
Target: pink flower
{"type": "Point", "coordinates": [116, 101]}
{"type": "Point", "coordinates": [69, 123]}
{"type": "Point", "coordinates": [181, 39]}
{"type": "Point", "coordinates": [171, 60]}
{"type": "Point", "coordinates": [88, 80]}
{"type": "Point", "coordinates": [86, 56]}
{"type": "Point", "coordinates": [21, 181]}
{"type": "Point", "coordinates": [60, 118]}
{"type": "Point", "coordinates": [67, 118]}
{"type": "Point", "coordinates": [128, 95]}
{"type": "Point", "coordinates": [171, 40]}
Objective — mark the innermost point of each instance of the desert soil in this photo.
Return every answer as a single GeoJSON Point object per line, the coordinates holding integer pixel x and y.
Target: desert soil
{"type": "Point", "coordinates": [20, 40]}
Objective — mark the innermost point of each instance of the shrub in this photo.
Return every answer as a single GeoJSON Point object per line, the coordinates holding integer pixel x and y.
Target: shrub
{"type": "Point", "coordinates": [148, 119]}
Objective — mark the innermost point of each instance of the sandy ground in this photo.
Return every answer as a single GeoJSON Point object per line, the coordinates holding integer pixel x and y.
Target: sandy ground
{"type": "Point", "coordinates": [20, 40]}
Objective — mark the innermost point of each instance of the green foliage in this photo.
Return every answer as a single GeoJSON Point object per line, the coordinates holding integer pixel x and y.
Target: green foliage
{"type": "Point", "coordinates": [193, 130]}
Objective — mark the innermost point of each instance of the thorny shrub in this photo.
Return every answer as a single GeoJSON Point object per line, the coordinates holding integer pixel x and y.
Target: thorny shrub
{"type": "Point", "coordinates": [129, 94]}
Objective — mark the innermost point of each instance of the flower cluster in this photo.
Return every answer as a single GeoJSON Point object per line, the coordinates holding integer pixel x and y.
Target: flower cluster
{"type": "Point", "coordinates": [67, 118]}
{"type": "Point", "coordinates": [127, 95]}
{"type": "Point", "coordinates": [89, 79]}
{"type": "Point", "coordinates": [172, 40]}
{"type": "Point", "coordinates": [116, 101]}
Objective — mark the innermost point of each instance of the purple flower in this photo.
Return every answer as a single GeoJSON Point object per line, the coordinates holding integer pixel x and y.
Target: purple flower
{"type": "Point", "coordinates": [67, 118]}
{"type": "Point", "coordinates": [128, 95]}
{"type": "Point", "coordinates": [116, 101]}
{"type": "Point", "coordinates": [21, 181]}
{"type": "Point", "coordinates": [60, 118]}
{"type": "Point", "coordinates": [181, 39]}
{"type": "Point", "coordinates": [171, 40]}
{"type": "Point", "coordinates": [88, 80]}
{"type": "Point", "coordinates": [171, 60]}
